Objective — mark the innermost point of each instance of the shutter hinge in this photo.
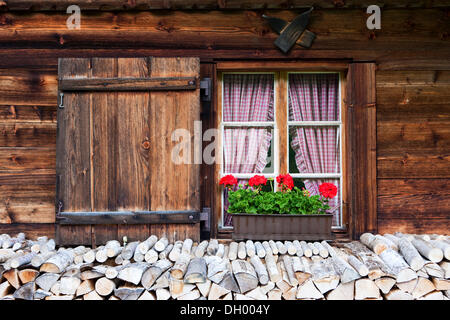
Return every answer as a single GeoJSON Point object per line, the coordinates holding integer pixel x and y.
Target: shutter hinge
{"type": "Point", "coordinates": [205, 217]}
{"type": "Point", "coordinates": [205, 89]}
{"type": "Point", "coordinates": [61, 100]}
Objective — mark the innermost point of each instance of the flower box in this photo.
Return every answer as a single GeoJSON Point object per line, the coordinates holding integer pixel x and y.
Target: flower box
{"type": "Point", "coordinates": [310, 227]}
{"type": "Point", "coordinates": [286, 214]}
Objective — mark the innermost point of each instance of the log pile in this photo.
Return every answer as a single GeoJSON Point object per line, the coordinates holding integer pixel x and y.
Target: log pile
{"type": "Point", "coordinates": [390, 266]}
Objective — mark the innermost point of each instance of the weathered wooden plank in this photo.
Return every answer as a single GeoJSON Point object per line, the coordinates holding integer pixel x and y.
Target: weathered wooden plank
{"type": "Point", "coordinates": [414, 95]}
{"type": "Point", "coordinates": [27, 134]}
{"type": "Point", "coordinates": [128, 84]}
{"type": "Point", "coordinates": [27, 203]}
{"type": "Point", "coordinates": [401, 78]}
{"type": "Point", "coordinates": [28, 114]}
{"type": "Point", "coordinates": [18, 159]}
{"type": "Point", "coordinates": [361, 100]}
{"type": "Point", "coordinates": [424, 137]}
{"type": "Point", "coordinates": [107, 5]}
{"type": "Point", "coordinates": [162, 126]}
{"type": "Point", "coordinates": [419, 226]}
{"type": "Point", "coordinates": [404, 165]}
{"type": "Point", "coordinates": [73, 160]}
{"type": "Point", "coordinates": [413, 198]}
{"type": "Point", "coordinates": [406, 113]}
{"type": "Point", "coordinates": [203, 29]}
{"type": "Point", "coordinates": [40, 86]}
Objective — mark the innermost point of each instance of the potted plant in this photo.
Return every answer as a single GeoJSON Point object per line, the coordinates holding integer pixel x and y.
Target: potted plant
{"type": "Point", "coordinates": [287, 214]}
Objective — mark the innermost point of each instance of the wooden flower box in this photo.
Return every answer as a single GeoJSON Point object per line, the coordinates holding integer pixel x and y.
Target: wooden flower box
{"type": "Point", "coordinates": [311, 227]}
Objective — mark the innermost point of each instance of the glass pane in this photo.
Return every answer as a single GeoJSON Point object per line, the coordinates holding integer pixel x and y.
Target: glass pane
{"type": "Point", "coordinates": [246, 150]}
{"type": "Point", "coordinates": [313, 97]}
{"type": "Point", "coordinates": [248, 97]}
{"type": "Point", "coordinates": [312, 185]}
{"type": "Point", "coordinates": [314, 150]}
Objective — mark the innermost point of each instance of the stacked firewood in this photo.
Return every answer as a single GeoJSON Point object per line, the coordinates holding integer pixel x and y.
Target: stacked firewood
{"type": "Point", "coordinates": [392, 267]}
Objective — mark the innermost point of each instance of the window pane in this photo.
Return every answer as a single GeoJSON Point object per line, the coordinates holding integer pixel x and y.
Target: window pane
{"type": "Point", "coordinates": [313, 97]}
{"type": "Point", "coordinates": [314, 150]}
{"type": "Point", "coordinates": [246, 150]}
{"type": "Point", "coordinates": [312, 185]}
{"type": "Point", "coordinates": [248, 97]}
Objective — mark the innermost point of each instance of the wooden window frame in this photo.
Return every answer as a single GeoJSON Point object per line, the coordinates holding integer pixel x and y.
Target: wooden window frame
{"type": "Point", "coordinates": [281, 119]}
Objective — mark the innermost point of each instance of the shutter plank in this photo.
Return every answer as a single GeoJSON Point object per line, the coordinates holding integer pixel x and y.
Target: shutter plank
{"type": "Point", "coordinates": [73, 152]}
{"type": "Point", "coordinates": [133, 176]}
{"type": "Point", "coordinates": [174, 186]}
{"type": "Point", "coordinates": [104, 115]}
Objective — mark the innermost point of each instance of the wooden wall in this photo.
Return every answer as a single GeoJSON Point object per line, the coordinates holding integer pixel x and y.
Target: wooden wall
{"type": "Point", "coordinates": [413, 91]}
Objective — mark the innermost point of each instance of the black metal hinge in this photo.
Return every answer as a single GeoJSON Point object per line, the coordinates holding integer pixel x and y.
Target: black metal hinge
{"type": "Point", "coordinates": [205, 89]}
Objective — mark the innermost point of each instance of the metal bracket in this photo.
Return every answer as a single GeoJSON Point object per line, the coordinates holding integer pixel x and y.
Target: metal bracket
{"type": "Point", "coordinates": [205, 216]}
{"type": "Point", "coordinates": [205, 89]}
{"type": "Point", "coordinates": [61, 100]}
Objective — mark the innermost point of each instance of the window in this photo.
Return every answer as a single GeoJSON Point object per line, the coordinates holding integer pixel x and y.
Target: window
{"type": "Point", "coordinates": [277, 122]}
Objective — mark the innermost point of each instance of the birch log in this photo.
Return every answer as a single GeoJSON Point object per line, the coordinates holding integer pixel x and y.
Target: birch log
{"type": "Point", "coordinates": [58, 263]}
{"type": "Point", "coordinates": [113, 248]}
{"type": "Point", "coordinates": [377, 245]}
{"type": "Point", "coordinates": [150, 275]}
{"type": "Point", "coordinates": [187, 246]}
{"type": "Point", "coordinates": [22, 260]}
{"type": "Point", "coordinates": [250, 248]}
{"type": "Point", "coordinates": [260, 270]}
{"type": "Point", "coordinates": [268, 248]}
{"type": "Point", "coordinates": [147, 244]}
{"type": "Point", "coordinates": [161, 244]}
{"type": "Point", "coordinates": [291, 250]}
{"type": "Point", "coordinates": [444, 246]}
{"type": "Point", "coordinates": [358, 265]}
{"type": "Point", "coordinates": [397, 266]}
{"type": "Point", "coordinates": [212, 247]}
{"type": "Point", "coordinates": [281, 247]}
{"type": "Point", "coordinates": [165, 253]}
{"type": "Point", "coordinates": [100, 254]}
{"type": "Point", "coordinates": [220, 250]}
{"type": "Point", "coordinates": [411, 255]}
{"type": "Point", "coordinates": [196, 271]}
{"type": "Point", "coordinates": [298, 248]}
{"type": "Point", "coordinates": [307, 252]}
{"type": "Point", "coordinates": [201, 249]}
{"type": "Point", "coordinates": [433, 254]}
{"type": "Point", "coordinates": [288, 266]}
{"type": "Point", "coordinates": [151, 256]}
{"type": "Point", "coordinates": [245, 275]}
{"type": "Point", "coordinates": [241, 250]}
{"type": "Point", "coordinates": [272, 269]}
{"type": "Point", "coordinates": [133, 272]}
{"type": "Point", "coordinates": [260, 251]}
{"type": "Point", "coordinates": [322, 251]}
{"type": "Point", "coordinates": [232, 253]}
{"type": "Point", "coordinates": [176, 251]}
{"type": "Point", "coordinates": [274, 247]}
{"type": "Point", "coordinates": [128, 251]}
{"type": "Point", "coordinates": [180, 266]}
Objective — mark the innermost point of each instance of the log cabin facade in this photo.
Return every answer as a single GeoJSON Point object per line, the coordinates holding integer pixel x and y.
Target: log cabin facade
{"type": "Point", "coordinates": [394, 90]}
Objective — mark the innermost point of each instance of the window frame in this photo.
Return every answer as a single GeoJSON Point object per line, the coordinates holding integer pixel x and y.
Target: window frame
{"type": "Point", "coordinates": [282, 68]}
{"type": "Point", "coordinates": [307, 124]}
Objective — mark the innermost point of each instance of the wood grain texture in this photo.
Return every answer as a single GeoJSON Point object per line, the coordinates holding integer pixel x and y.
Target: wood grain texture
{"type": "Point", "coordinates": [125, 155]}
{"type": "Point", "coordinates": [361, 99]}
{"type": "Point", "coordinates": [107, 5]}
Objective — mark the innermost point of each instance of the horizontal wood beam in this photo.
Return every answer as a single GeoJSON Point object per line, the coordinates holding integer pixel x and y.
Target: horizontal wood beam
{"type": "Point", "coordinates": [128, 217]}
{"type": "Point", "coordinates": [128, 84]}
{"type": "Point", "coordinates": [109, 5]}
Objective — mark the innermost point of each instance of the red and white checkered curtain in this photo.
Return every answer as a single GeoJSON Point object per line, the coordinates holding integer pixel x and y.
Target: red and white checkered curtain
{"type": "Point", "coordinates": [246, 98]}
{"type": "Point", "coordinates": [314, 97]}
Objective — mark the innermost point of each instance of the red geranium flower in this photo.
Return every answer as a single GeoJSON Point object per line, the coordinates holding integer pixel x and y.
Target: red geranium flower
{"type": "Point", "coordinates": [285, 181]}
{"type": "Point", "coordinates": [257, 181]}
{"type": "Point", "coordinates": [228, 181]}
{"type": "Point", "coordinates": [328, 190]}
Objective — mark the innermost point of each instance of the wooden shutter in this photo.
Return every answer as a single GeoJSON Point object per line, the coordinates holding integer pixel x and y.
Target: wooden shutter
{"type": "Point", "coordinates": [114, 171]}
{"type": "Point", "coordinates": [361, 102]}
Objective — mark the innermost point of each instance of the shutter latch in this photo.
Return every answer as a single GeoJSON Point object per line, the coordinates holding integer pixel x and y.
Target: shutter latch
{"type": "Point", "coordinates": [205, 89]}
{"type": "Point", "coordinates": [61, 100]}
